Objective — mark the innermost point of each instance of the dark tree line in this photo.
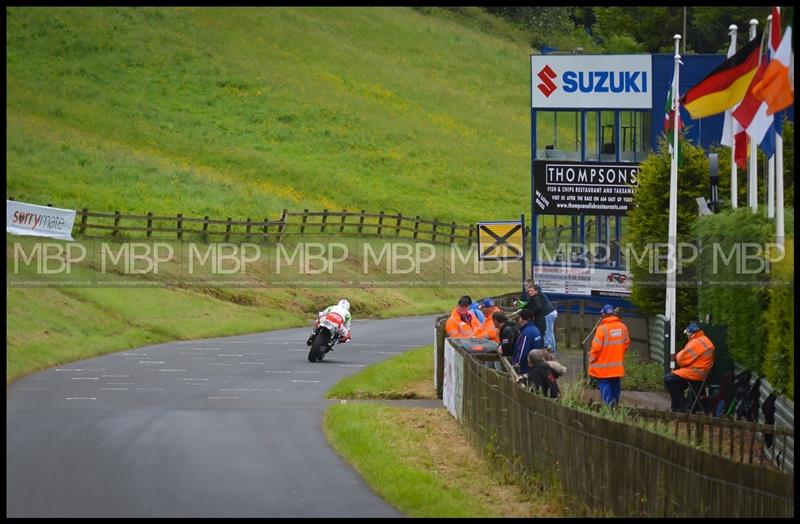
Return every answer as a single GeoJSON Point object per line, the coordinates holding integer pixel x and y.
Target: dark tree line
{"type": "Point", "coordinates": [636, 29]}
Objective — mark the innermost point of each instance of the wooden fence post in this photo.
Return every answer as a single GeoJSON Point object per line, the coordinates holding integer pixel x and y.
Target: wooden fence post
{"type": "Point", "coordinates": [380, 223]}
{"type": "Point", "coordinates": [435, 225]}
{"type": "Point", "coordinates": [303, 223]}
{"type": "Point", "coordinates": [324, 220]}
{"type": "Point", "coordinates": [282, 227]}
{"type": "Point", "coordinates": [115, 231]}
{"type": "Point", "coordinates": [416, 227]}
{"type": "Point", "coordinates": [266, 228]}
{"type": "Point", "coordinates": [205, 228]}
{"type": "Point", "coordinates": [344, 216]}
{"type": "Point", "coordinates": [180, 226]}
{"type": "Point", "coordinates": [397, 226]}
{"type": "Point", "coordinates": [84, 218]}
{"type": "Point", "coordinates": [247, 229]}
{"type": "Point", "coordinates": [469, 236]}
{"type": "Point", "coordinates": [361, 223]}
{"type": "Point", "coordinates": [228, 229]}
{"type": "Point", "coordinates": [453, 233]}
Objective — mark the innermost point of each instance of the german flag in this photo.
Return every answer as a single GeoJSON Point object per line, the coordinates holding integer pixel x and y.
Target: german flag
{"type": "Point", "coordinates": [726, 85]}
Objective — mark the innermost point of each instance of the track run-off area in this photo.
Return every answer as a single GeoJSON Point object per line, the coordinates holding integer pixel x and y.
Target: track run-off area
{"type": "Point", "coordinates": [225, 427]}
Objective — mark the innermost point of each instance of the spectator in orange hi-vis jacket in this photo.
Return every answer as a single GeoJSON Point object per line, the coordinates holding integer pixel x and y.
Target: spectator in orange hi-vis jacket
{"type": "Point", "coordinates": [490, 331]}
{"type": "Point", "coordinates": [694, 363]}
{"type": "Point", "coordinates": [607, 356]}
{"type": "Point", "coordinates": [462, 322]}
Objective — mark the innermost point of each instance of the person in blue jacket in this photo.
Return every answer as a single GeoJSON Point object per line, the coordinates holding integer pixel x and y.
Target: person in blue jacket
{"type": "Point", "coordinates": [529, 338]}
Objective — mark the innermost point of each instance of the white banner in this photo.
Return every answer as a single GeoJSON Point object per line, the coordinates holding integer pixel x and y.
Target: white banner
{"type": "Point", "coordinates": [591, 81]}
{"type": "Point", "coordinates": [583, 281]}
{"type": "Point", "coordinates": [453, 387]}
{"type": "Point", "coordinates": [39, 221]}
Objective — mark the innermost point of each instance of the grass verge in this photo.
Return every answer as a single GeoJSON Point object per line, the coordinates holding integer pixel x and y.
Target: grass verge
{"type": "Point", "coordinates": [409, 376]}
{"type": "Point", "coordinates": [420, 461]}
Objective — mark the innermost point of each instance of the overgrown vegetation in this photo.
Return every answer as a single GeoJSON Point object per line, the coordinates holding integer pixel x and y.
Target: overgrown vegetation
{"type": "Point", "coordinates": [648, 227]}
{"type": "Point", "coordinates": [743, 289]}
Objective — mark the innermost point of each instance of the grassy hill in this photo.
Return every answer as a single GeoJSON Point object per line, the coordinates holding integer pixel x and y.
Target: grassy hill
{"type": "Point", "coordinates": [242, 112]}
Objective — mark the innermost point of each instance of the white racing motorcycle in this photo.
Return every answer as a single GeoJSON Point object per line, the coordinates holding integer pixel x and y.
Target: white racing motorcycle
{"type": "Point", "coordinates": [328, 330]}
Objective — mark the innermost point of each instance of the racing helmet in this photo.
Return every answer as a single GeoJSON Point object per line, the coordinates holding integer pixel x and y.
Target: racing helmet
{"type": "Point", "coordinates": [344, 304]}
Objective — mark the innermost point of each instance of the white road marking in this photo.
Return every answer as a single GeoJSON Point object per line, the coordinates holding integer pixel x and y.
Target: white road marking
{"type": "Point", "coordinates": [227, 355]}
{"type": "Point", "coordinates": [223, 398]}
{"type": "Point", "coordinates": [114, 389]}
{"type": "Point", "coordinates": [175, 370]}
{"type": "Point", "coordinates": [204, 358]}
{"type": "Point", "coordinates": [252, 363]}
{"type": "Point", "coordinates": [234, 389]}
{"type": "Point", "coordinates": [308, 372]}
{"type": "Point", "coordinates": [68, 369]}
{"type": "Point", "coordinates": [134, 354]}
{"type": "Point", "coordinates": [307, 381]}
{"type": "Point", "coordinates": [389, 352]}
{"type": "Point", "coordinates": [277, 372]}
{"type": "Point", "coordinates": [120, 383]}
{"type": "Point", "coordinates": [195, 379]}
{"type": "Point", "coordinates": [220, 364]}
{"type": "Point", "coordinates": [85, 378]}
{"type": "Point", "coordinates": [81, 398]}
{"type": "Point", "coordinates": [207, 349]}
{"type": "Point", "coordinates": [151, 362]}
{"type": "Point", "coordinates": [116, 376]}
{"type": "Point", "coordinates": [352, 365]}
{"type": "Point", "coordinates": [150, 389]}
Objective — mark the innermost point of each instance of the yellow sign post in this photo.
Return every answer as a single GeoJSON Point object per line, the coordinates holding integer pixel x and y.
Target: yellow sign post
{"type": "Point", "coordinates": [501, 241]}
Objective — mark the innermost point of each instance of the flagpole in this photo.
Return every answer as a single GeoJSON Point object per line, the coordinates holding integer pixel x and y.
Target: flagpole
{"type": "Point", "coordinates": [779, 232]}
{"type": "Point", "coordinates": [734, 181]}
{"type": "Point", "coordinates": [752, 188]}
{"type": "Point", "coordinates": [779, 187]}
{"type": "Point", "coordinates": [771, 161]}
{"type": "Point", "coordinates": [672, 233]}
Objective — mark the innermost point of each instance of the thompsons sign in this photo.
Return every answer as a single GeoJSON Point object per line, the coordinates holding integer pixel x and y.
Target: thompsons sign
{"type": "Point", "coordinates": [584, 188]}
{"type": "Point", "coordinates": [591, 82]}
{"type": "Point", "coordinates": [39, 221]}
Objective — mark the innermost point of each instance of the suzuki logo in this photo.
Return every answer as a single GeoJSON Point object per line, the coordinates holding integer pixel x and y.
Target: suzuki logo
{"type": "Point", "coordinates": [547, 86]}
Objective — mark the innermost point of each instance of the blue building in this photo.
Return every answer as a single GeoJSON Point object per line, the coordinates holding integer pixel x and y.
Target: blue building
{"type": "Point", "coordinates": [601, 110]}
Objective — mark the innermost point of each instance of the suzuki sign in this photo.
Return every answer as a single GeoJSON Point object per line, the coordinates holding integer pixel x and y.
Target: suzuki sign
{"type": "Point", "coordinates": [591, 82]}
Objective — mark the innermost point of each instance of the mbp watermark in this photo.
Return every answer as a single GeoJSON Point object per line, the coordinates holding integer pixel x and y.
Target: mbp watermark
{"type": "Point", "coordinates": [375, 262]}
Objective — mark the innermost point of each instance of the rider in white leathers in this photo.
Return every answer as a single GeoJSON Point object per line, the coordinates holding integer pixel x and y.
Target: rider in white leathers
{"type": "Point", "coordinates": [343, 309]}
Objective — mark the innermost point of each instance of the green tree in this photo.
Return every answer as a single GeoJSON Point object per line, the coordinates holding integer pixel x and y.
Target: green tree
{"type": "Point", "coordinates": [648, 224]}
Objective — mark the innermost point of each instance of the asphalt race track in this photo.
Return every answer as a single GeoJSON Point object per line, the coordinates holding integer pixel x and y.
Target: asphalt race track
{"type": "Point", "coordinates": [227, 427]}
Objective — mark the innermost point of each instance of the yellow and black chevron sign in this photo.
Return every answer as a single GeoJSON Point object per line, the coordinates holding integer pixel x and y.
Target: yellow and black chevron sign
{"type": "Point", "coordinates": [500, 241]}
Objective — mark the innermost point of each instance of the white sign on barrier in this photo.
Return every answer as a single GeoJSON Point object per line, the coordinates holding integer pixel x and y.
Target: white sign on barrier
{"type": "Point", "coordinates": [453, 387]}
{"type": "Point", "coordinates": [39, 221]}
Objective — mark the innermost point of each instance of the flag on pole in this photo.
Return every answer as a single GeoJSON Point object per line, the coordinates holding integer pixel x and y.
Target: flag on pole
{"type": "Point", "coordinates": [726, 85]}
{"type": "Point", "coordinates": [775, 87]}
{"type": "Point", "coordinates": [670, 114]}
{"type": "Point", "coordinates": [752, 112]}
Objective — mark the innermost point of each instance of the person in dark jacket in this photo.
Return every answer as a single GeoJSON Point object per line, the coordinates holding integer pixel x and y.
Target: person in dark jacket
{"type": "Point", "coordinates": [529, 338]}
{"type": "Point", "coordinates": [541, 376]}
{"type": "Point", "coordinates": [539, 304]}
{"type": "Point", "coordinates": [507, 333]}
